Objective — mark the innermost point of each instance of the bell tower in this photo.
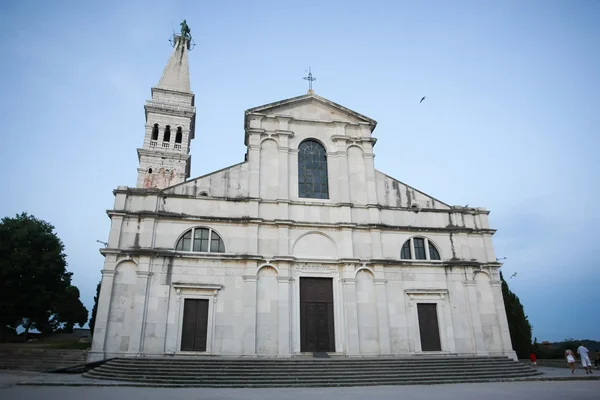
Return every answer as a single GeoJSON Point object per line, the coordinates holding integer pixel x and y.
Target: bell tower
{"type": "Point", "coordinates": [170, 117]}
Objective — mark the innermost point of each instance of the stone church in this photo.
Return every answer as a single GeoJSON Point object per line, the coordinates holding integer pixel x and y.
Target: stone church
{"type": "Point", "coordinates": [304, 247]}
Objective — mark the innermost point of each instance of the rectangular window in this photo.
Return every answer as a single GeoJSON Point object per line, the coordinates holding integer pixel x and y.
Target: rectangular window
{"type": "Point", "coordinates": [419, 245]}
{"type": "Point", "coordinates": [201, 240]}
{"type": "Point", "coordinates": [216, 244]}
{"type": "Point", "coordinates": [184, 243]}
{"type": "Point", "coordinates": [405, 253]}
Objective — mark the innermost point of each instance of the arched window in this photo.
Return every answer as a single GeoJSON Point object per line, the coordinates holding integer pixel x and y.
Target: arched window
{"type": "Point", "coordinates": [167, 136]}
{"type": "Point", "coordinates": [178, 135]}
{"type": "Point", "coordinates": [201, 240]}
{"type": "Point", "coordinates": [418, 248]}
{"type": "Point", "coordinates": [155, 132]}
{"type": "Point", "coordinates": [312, 170]}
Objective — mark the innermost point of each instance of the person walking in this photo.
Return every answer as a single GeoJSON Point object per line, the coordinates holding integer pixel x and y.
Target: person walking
{"type": "Point", "coordinates": [570, 360]}
{"type": "Point", "coordinates": [533, 359]}
{"type": "Point", "coordinates": [585, 358]}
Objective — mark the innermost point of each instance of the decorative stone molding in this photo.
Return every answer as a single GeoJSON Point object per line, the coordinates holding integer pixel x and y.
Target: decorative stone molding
{"type": "Point", "coordinates": [348, 281]}
{"type": "Point", "coordinates": [108, 273]}
{"type": "Point", "coordinates": [426, 294]}
{"type": "Point", "coordinates": [144, 274]}
{"type": "Point", "coordinates": [249, 278]}
{"type": "Point", "coordinates": [380, 281]}
{"type": "Point", "coordinates": [205, 287]}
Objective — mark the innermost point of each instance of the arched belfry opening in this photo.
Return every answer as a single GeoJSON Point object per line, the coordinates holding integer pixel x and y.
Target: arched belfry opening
{"type": "Point", "coordinates": [167, 134]}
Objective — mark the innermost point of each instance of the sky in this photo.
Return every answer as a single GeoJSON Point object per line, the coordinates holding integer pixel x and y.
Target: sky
{"type": "Point", "coordinates": [511, 119]}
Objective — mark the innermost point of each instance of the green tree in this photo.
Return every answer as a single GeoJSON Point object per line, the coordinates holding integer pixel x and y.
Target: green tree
{"type": "Point", "coordinates": [95, 308]}
{"type": "Point", "coordinates": [35, 288]}
{"type": "Point", "coordinates": [518, 324]}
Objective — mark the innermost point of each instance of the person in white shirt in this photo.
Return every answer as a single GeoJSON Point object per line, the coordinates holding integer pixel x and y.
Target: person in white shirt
{"type": "Point", "coordinates": [585, 358]}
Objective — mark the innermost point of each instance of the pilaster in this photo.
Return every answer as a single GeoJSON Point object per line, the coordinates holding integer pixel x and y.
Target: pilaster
{"type": "Point", "coordinates": [249, 338]}
{"type": "Point", "coordinates": [382, 315]}
{"type": "Point", "coordinates": [139, 307]}
{"type": "Point", "coordinates": [502, 320]}
{"type": "Point", "coordinates": [349, 285]}
{"type": "Point", "coordinates": [285, 328]}
{"type": "Point", "coordinates": [100, 328]}
{"type": "Point", "coordinates": [475, 318]}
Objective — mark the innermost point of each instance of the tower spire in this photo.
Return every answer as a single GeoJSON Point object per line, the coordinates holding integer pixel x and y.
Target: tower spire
{"type": "Point", "coordinates": [176, 75]}
{"type": "Point", "coordinates": [170, 122]}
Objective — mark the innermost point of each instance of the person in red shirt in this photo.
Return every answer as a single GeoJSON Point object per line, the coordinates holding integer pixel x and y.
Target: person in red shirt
{"type": "Point", "coordinates": [533, 359]}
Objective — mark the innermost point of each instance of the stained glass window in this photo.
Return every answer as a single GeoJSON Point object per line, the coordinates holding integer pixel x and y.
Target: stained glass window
{"type": "Point", "coordinates": [312, 170]}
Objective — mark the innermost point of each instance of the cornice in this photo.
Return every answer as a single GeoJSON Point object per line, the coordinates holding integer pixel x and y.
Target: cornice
{"type": "Point", "coordinates": [276, 222]}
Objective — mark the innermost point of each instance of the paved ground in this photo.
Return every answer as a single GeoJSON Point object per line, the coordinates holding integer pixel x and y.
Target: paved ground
{"type": "Point", "coordinates": [21, 385]}
{"type": "Point", "coordinates": [580, 390]}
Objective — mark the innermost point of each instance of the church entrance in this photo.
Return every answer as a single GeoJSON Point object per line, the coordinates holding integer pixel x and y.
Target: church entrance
{"type": "Point", "coordinates": [316, 315]}
{"type": "Point", "coordinates": [428, 326]}
{"type": "Point", "coordinates": [195, 324]}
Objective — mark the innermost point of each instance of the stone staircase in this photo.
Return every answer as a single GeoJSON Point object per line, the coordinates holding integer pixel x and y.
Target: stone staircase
{"type": "Point", "coordinates": [28, 358]}
{"type": "Point", "coordinates": [305, 372]}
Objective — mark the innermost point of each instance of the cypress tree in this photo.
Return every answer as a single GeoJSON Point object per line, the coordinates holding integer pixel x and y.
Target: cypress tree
{"type": "Point", "coordinates": [518, 324]}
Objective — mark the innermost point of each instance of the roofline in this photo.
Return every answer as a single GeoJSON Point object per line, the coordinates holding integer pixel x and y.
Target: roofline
{"type": "Point", "coordinates": [370, 121]}
{"type": "Point", "coordinates": [202, 176]}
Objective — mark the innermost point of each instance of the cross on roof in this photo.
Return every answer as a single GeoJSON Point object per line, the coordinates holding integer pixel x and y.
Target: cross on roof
{"type": "Point", "coordinates": [310, 79]}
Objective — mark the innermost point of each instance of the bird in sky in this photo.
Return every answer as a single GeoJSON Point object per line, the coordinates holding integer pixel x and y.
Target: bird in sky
{"type": "Point", "coordinates": [422, 99]}
{"type": "Point", "coordinates": [515, 274]}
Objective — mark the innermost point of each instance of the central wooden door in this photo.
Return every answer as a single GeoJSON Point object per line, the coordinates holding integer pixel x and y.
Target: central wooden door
{"type": "Point", "coordinates": [195, 325]}
{"type": "Point", "coordinates": [316, 315]}
{"type": "Point", "coordinates": [428, 327]}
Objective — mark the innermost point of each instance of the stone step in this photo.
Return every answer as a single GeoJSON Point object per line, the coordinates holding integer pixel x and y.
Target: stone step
{"type": "Point", "coordinates": [249, 370]}
{"type": "Point", "coordinates": [304, 377]}
{"type": "Point", "coordinates": [305, 367]}
{"type": "Point", "coordinates": [294, 364]}
{"type": "Point", "coordinates": [34, 359]}
{"type": "Point", "coordinates": [300, 360]}
{"type": "Point", "coordinates": [215, 372]}
{"type": "Point", "coordinates": [319, 381]}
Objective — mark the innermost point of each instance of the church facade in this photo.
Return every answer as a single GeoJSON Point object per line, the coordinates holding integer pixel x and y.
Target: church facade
{"type": "Point", "coordinates": [304, 247]}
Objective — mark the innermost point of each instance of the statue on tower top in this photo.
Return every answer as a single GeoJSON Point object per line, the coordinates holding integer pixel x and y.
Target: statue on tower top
{"type": "Point", "coordinates": [185, 30]}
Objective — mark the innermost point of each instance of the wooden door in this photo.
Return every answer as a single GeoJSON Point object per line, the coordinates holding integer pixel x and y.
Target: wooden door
{"type": "Point", "coordinates": [195, 325]}
{"type": "Point", "coordinates": [316, 315]}
{"type": "Point", "coordinates": [428, 326]}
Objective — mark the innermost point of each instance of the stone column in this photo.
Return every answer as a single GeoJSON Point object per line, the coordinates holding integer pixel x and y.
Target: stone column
{"type": "Point", "coordinates": [285, 328]}
{"type": "Point", "coordinates": [382, 315]}
{"type": "Point", "coordinates": [475, 318]}
{"type": "Point", "coordinates": [249, 338]}
{"type": "Point", "coordinates": [349, 285]}
{"type": "Point", "coordinates": [139, 312]}
{"type": "Point", "coordinates": [99, 334]}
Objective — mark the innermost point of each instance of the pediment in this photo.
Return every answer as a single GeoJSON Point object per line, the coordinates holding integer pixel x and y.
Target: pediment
{"type": "Point", "coordinates": [314, 108]}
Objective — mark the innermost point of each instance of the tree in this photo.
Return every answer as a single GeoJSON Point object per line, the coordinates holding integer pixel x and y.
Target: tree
{"type": "Point", "coordinates": [35, 288]}
{"type": "Point", "coordinates": [95, 308]}
{"type": "Point", "coordinates": [518, 324]}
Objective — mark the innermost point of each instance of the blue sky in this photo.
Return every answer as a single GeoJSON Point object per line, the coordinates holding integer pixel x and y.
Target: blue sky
{"type": "Point", "coordinates": [511, 120]}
